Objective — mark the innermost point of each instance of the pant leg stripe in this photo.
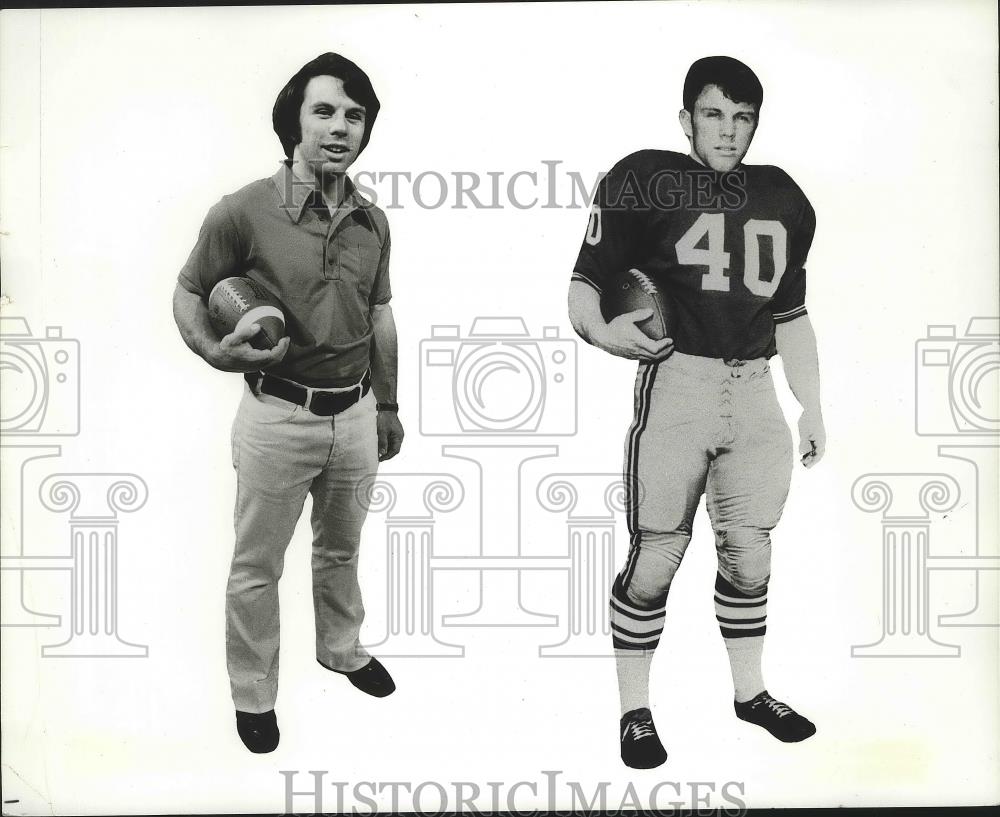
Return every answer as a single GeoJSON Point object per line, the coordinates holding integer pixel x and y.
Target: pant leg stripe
{"type": "Point", "coordinates": [635, 432]}
{"type": "Point", "coordinates": [633, 557]}
{"type": "Point", "coordinates": [619, 601]}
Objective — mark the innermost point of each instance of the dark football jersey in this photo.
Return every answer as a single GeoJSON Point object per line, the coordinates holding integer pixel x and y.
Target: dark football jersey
{"type": "Point", "coordinates": [728, 248]}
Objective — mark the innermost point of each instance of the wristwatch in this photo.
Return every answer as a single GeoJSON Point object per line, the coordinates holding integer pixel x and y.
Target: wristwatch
{"type": "Point", "coordinates": [387, 406]}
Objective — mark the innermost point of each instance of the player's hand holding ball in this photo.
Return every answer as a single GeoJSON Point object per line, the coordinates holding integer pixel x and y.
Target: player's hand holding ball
{"type": "Point", "coordinates": [639, 318]}
{"type": "Point", "coordinates": [251, 325]}
{"type": "Point", "coordinates": [812, 438]}
{"type": "Point", "coordinates": [237, 354]}
{"type": "Point", "coordinates": [624, 338]}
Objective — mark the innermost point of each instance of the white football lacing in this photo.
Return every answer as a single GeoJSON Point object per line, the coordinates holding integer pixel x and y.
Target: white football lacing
{"type": "Point", "coordinates": [238, 299]}
{"type": "Point", "coordinates": [644, 281]}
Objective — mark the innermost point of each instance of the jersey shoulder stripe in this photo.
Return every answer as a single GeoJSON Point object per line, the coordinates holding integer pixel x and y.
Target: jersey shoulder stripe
{"type": "Point", "coordinates": [583, 279]}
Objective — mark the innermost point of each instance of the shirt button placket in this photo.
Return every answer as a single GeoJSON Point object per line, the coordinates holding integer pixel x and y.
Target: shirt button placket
{"type": "Point", "coordinates": [331, 259]}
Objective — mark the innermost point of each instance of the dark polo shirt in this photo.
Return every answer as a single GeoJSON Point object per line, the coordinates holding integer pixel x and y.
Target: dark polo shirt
{"type": "Point", "coordinates": [328, 272]}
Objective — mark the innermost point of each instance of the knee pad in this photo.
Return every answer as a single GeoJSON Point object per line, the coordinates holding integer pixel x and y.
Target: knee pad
{"type": "Point", "coordinates": [745, 558]}
{"type": "Point", "coordinates": [646, 595]}
{"type": "Point", "coordinates": [650, 569]}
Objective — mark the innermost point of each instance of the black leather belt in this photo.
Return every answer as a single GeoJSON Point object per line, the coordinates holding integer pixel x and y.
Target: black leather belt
{"type": "Point", "coordinates": [318, 401]}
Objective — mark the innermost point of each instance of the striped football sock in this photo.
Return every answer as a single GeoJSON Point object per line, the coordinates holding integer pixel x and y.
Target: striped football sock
{"type": "Point", "coordinates": [635, 632]}
{"type": "Point", "coordinates": [743, 622]}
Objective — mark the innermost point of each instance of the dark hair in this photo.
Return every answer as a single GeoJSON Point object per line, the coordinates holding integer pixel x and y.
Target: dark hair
{"type": "Point", "coordinates": [734, 79]}
{"type": "Point", "coordinates": [285, 115]}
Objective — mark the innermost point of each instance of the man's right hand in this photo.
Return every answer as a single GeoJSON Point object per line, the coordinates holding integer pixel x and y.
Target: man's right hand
{"type": "Point", "coordinates": [623, 338]}
{"type": "Point", "coordinates": [235, 354]}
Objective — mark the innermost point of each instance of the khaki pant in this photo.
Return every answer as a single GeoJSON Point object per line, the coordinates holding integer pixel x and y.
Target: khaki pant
{"type": "Point", "coordinates": [281, 452]}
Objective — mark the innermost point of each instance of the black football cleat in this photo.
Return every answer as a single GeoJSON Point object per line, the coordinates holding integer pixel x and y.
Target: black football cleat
{"type": "Point", "coordinates": [779, 719]}
{"type": "Point", "coordinates": [258, 731]}
{"type": "Point", "coordinates": [372, 679]}
{"type": "Point", "coordinates": [641, 747]}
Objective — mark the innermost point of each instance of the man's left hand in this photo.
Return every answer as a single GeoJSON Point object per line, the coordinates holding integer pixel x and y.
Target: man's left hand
{"type": "Point", "coordinates": [390, 435]}
{"type": "Point", "coordinates": [812, 438]}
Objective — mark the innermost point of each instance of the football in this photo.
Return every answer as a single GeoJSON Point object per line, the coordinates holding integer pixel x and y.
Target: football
{"type": "Point", "coordinates": [236, 302]}
{"type": "Point", "coordinates": [635, 290]}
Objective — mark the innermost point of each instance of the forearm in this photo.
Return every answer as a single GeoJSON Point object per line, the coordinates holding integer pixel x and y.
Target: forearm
{"type": "Point", "coordinates": [796, 343]}
{"type": "Point", "coordinates": [585, 312]}
{"type": "Point", "coordinates": [384, 354]}
{"type": "Point", "coordinates": [191, 317]}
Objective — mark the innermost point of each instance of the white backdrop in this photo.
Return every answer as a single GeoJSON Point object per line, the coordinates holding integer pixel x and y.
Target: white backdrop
{"type": "Point", "coordinates": [121, 128]}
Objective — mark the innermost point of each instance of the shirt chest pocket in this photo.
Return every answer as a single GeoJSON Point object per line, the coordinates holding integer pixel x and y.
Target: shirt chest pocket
{"type": "Point", "coordinates": [354, 261]}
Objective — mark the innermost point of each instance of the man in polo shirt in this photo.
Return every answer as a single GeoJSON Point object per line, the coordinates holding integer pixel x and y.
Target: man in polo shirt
{"type": "Point", "coordinates": [319, 410]}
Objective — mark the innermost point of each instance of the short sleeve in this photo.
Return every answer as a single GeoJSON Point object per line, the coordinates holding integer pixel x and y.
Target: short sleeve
{"type": "Point", "coordinates": [614, 225]}
{"type": "Point", "coordinates": [789, 300]}
{"type": "Point", "coordinates": [382, 290]}
{"type": "Point", "coordinates": [216, 254]}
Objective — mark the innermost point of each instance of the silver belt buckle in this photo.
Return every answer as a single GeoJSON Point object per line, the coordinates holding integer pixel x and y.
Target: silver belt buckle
{"type": "Point", "coordinates": [361, 386]}
{"type": "Point", "coordinates": [307, 405]}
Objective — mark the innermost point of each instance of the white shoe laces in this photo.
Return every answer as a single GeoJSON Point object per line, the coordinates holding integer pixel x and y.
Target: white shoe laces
{"type": "Point", "coordinates": [777, 707]}
{"type": "Point", "coordinates": [641, 729]}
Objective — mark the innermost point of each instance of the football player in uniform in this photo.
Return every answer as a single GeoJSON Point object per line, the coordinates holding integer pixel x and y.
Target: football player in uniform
{"type": "Point", "coordinates": [727, 244]}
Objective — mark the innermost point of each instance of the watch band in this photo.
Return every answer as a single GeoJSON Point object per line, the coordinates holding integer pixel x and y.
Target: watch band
{"type": "Point", "coordinates": [387, 406]}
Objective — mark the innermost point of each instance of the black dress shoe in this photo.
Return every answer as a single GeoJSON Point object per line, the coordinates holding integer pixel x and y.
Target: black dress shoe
{"type": "Point", "coordinates": [259, 732]}
{"type": "Point", "coordinates": [372, 678]}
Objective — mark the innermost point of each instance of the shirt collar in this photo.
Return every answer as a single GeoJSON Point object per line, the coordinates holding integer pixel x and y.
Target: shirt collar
{"type": "Point", "coordinates": [295, 195]}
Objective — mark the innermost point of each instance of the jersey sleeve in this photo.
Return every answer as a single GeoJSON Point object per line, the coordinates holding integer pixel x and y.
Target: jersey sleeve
{"type": "Point", "coordinates": [216, 254]}
{"type": "Point", "coordinates": [789, 300]}
{"type": "Point", "coordinates": [613, 228]}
